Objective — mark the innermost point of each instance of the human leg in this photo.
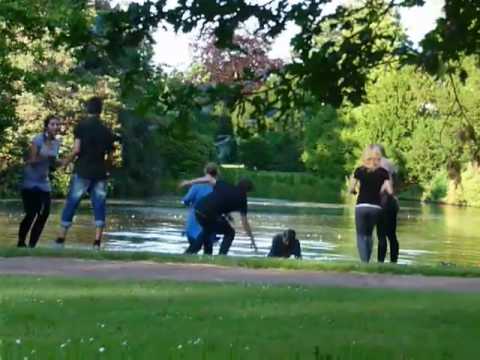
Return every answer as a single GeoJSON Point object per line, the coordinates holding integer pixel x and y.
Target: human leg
{"type": "Point", "coordinates": [392, 232]}
{"type": "Point", "coordinates": [31, 204]}
{"type": "Point", "coordinates": [98, 197]}
{"type": "Point", "coordinates": [224, 227]}
{"type": "Point", "coordinates": [78, 188]}
{"type": "Point", "coordinates": [365, 220]}
{"type": "Point", "coordinates": [382, 236]}
{"type": "Point", "coordinates": [41, 219]}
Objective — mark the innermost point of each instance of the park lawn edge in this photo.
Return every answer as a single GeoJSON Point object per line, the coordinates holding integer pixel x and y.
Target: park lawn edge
{"type": "Point", "coordinates": [252, 263]}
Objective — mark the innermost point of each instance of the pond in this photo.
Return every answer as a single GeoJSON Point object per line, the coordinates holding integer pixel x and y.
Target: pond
{"type": "Point", "coordinates": [428, 234]}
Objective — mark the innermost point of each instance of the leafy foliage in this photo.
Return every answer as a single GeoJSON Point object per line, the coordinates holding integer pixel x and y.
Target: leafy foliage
{"type": "Point", "coordinates": [248, 60]}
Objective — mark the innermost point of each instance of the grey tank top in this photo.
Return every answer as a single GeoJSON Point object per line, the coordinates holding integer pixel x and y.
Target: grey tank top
{"type": "Point", "coordinates": [36, 175]}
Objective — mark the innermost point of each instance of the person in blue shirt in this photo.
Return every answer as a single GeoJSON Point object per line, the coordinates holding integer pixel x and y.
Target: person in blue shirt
{"type": "Point", "coordinates": [192, 227]}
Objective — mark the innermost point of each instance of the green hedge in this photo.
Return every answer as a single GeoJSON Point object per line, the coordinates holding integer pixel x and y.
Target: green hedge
{"type": "Point", "coordinates": [295, 186]}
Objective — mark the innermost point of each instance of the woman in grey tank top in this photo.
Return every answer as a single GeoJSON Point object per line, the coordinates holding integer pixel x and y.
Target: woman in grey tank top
{"type": "Point", "coordinates": [36, 186]}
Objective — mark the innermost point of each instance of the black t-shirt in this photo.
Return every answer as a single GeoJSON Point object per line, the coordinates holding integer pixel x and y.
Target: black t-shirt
{"type": "Point", "coordinates": [224, 199]}
{"type": "Point", "coordinates": [370, 184]}
{"type": "Point", "coordinates": [280, 249]}
{"type": "Point", "coordinates": [96, 140]}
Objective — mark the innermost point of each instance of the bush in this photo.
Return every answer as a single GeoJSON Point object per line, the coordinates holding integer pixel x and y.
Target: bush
{"type": "Point", "coordinates": [324, 150]}
{"type": "Point", "coordinates": [436, 191]}
{"type": "Point", "coordinates": [272, 151]}
{"type": "Point", "coordinates": [256, 153]}
{"type": "Point", "coordinates": [289, 185]}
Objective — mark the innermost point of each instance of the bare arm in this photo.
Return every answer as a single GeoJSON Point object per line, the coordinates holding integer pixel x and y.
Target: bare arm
{"type": "Point", "coordinates": [75, 152]}
{"type": "Point", "coordinates": [109, 162]}
{"type": "Point", "coordinates": [387, 187]}
{"type": "Point", "coordinates": [248, 230]}
{"type": "Point", "coordinates": [207, 179]}
{"type": "Point", "coordinates": [352, 188]}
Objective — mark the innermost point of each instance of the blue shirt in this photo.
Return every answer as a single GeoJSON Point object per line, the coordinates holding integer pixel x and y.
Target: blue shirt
{"type": "Point", "coordinates": [36, 175]}
{"type": "Point", "coordinates": [195, 193]}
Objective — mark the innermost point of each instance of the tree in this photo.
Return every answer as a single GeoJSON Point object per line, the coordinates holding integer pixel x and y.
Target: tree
{"type": "Point", "coordinates": [248, 61]}
{"type": "Point", "coordinates": [325, 151]}
{"type": "Point", "coordinates": [419, 120]}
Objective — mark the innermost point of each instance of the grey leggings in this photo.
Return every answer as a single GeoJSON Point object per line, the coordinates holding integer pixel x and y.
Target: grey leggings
{"type": "Point", "coordinates": [366, 217]}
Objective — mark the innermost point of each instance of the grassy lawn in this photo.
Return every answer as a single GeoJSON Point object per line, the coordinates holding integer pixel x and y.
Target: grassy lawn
{"type": "Point", "coordinates": [44, 318]}
{"type": "Point", "coordinates": [257, 263]}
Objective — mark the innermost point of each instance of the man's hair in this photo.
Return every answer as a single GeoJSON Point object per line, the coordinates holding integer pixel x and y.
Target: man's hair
{"type": "Point", "coordinates": [211, 169]}
{"type": "Point", "coordinates": [94, 105]}
{"type": "Point", "coordinates": [245, 185]}
{"type": "Point", "coordinates": [289, 235]}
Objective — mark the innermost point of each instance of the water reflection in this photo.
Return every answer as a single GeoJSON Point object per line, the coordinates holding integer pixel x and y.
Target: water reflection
{"type": "Point", "coordinates": [428, 234]}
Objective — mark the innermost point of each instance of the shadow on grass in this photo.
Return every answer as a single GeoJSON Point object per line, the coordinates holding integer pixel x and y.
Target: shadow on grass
{"type": "Point", "coordinates": [253, 263]}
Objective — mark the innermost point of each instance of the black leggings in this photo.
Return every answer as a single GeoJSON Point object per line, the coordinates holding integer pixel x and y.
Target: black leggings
{"type": "Point", "coordinates": [387, 228]}
{"type": "Point", "coordinates": [36, 204]}
{"type": "Point", "coordinates": [210, 227]}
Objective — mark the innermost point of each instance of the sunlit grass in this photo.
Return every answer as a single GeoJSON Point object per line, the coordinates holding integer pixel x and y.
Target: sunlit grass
{"type": "Point", "coordinates": [45, 318]}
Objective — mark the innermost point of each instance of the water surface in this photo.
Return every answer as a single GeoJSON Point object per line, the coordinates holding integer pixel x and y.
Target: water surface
{"type": "Point", "coordinates": [428, 234]}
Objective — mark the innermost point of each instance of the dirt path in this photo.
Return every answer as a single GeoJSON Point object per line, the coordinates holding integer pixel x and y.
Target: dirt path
{"type": "Point", "coordinates": [142, 270]}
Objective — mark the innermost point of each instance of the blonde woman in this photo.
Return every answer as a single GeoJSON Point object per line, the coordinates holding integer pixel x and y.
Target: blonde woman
{"type": "Point", "coordinates": [372, 180]}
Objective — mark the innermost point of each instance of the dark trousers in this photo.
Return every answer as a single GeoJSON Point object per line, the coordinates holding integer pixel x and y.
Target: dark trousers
{"type": "Point", "coordinates": [211, 226]}
{"type": "Point", "coordinates": [387, 229]}
{"type": "Point", "coordinates": [36, 204]}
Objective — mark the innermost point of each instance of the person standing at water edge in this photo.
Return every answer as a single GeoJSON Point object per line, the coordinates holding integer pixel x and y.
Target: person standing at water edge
{"type": "Point", "coordinates": [92, 151]}
{"type": "Point", "coordinates": [194, 195]}
{"type": "Point", "coordinates": [36, 187]}
{"type": "Point", "coordinates": [373, 180]}
{"type": "Point", "coordinates": [211, 210]}
{"type": "Point", "coordinates": [387, 224]}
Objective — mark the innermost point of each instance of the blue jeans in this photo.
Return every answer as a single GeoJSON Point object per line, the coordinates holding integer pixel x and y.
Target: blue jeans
{"type": "Point", "coordinates": [366, 218]}
{"type": "Point", "coordinates": [79, 187]}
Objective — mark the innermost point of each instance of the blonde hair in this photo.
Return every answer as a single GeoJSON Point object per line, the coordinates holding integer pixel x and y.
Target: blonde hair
{"type": "Point", "coordinates": [371, 157]}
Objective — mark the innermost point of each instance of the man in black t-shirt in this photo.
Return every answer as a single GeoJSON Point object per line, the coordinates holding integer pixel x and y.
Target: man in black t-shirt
{"type": "Point", "coordinates": [211, 210]}
{"type": "Point", "coordinates": [92, 150]}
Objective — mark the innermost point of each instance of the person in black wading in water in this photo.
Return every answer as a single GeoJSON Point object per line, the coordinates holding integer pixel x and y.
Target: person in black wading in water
{"type": "Point", "coordinates": [285, 245]}
{"type": "Point", "coordinates": [387, 223]}
{"type": "Point", "coordinates": [211, 210]}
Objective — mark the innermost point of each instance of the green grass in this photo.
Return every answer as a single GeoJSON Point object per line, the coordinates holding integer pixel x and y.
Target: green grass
{"type": "Point", "coordinates": [74, 319]}
{"type": "Point", "coordinates": [255, 263]}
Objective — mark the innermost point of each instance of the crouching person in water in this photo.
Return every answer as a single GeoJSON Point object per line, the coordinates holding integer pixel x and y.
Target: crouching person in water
{"type": "Point", "coordinates": [285, 245]}
{"type": "Point", "coordinates": [211, 211]}
{"type": "Point", "coordinates": [192, 227]}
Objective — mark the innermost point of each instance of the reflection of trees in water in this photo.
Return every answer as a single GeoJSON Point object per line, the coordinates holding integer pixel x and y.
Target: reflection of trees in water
{"type": "Point", "coordinates": [460, 243]}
